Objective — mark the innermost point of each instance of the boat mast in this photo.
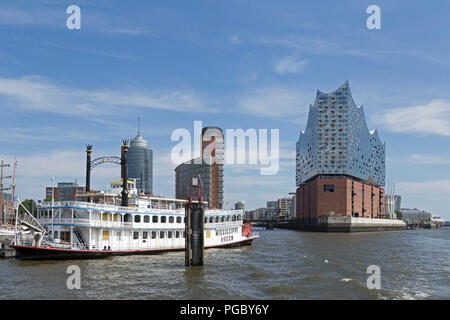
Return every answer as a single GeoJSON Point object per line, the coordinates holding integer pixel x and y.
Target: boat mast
{"type": "Point", "coordinates": [14, 187]}
{"type": "Point", "coordinates": [2, 207]}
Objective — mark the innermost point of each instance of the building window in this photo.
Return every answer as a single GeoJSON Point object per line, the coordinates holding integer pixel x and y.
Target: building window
{"type": "Point", "coordinates": [328, 188]}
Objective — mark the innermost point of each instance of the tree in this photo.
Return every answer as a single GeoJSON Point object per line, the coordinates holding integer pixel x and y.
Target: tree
{"type": "Point", "coordinates": [49, 199]}
{"type": "Point", "coordinates": [399, 214]}
{"type": "Point", "coordinates": [31, 206]}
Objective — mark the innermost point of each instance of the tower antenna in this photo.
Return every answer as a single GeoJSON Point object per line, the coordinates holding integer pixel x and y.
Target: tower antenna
{"type": "Point", "coordinates": [139, 125]}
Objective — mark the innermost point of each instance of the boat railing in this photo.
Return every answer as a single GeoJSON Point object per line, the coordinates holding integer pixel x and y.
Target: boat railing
{"type": "Point", "coordinates": [111, 207]}
{"type": "Point", "coordinates": [106, 207]}
{"type": "Point", "coordinates": [88, 223]}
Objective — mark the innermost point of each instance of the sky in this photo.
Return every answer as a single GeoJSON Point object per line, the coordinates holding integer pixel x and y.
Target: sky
{"type": "Point", "coordinates": [233, 64]}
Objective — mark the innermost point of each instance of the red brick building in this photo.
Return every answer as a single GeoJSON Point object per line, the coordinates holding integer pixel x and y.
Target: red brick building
{"type": "Point", "coordinates": [338, 196]}
{"type": "Point", "coordinates": [65, 191]}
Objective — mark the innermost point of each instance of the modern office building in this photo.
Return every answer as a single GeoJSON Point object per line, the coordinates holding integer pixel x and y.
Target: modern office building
{"type": "Point", "coordinates": [240, 205]}
{"type": "Point", "coordinates": [397, 202]}
{"type": "Point", "coordinates": [283, 207]}
{"type": "Point", "coordinates": [140, 164]}
{"type": "Point", "coordinates": [65, 191]}
{"type": "Point", "coordinates": [415, 215]}
{"type": "Point", "coordinates": [257, 214]}
{"type": "Point", "coordinates": [340, 164]}
{"type": "Point", "coordinates": [209, 167]}
{"type": "Point", "coordinates": [271, 209]}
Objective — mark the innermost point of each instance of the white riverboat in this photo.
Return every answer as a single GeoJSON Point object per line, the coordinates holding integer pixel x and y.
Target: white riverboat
{"type": "Point", "coordinates": [99, 228]}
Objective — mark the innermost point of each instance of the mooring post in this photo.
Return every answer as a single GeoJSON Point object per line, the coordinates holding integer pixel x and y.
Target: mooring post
{"type": "Point", "coordinates": [124, 167]}
{"type": "Point", "coordinates": [188, 230]}
{"type": "Point", "coordinates": [88, 169]}
{"type": "Point", "coordinates": [194, 229]}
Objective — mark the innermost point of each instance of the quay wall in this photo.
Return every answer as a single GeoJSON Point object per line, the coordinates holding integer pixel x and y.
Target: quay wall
{"type": "Point", "coordinates": [344, 224]}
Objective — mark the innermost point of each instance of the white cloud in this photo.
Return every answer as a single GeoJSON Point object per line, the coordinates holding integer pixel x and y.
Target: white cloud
{"type": "Point", "coordinates": [431, 118]}
{"type": "Point", "coordinates": [274, 102]}
{"type": "Point", "coordinates": [235, 39]}
{"type": "Point", "coordinates": [289, 65]}
{"type": "Point", "coordinates": [428, 159]}
{"type": "Point", "coordinates": [38, 93]}
{"type": "Point", "coordinates": [432, 188]}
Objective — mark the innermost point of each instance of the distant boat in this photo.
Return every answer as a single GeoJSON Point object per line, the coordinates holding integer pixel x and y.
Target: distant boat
{"type": "Point", "coordinates": [6, 232]}
{"type": "Point", "coordinates": [437, 221]}
{"type": "Point", "coordinates": [9, 231]}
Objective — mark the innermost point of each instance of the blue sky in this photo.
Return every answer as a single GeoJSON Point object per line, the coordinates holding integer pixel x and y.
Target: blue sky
{"type": "Point", "coordinates": [233, 64]}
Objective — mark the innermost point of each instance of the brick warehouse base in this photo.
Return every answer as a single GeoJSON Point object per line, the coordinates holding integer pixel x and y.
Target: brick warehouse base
{"type": "Point", "coordinates": [330, 203]}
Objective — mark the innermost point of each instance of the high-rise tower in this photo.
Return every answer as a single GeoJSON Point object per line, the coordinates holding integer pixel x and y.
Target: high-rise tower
{"type": "Point", "coordinates": [209, 166]}
{"type": "Point", "coordinates": [140, 163]}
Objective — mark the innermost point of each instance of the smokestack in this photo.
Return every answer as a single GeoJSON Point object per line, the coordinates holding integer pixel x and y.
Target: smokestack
{"type": "Point", "coordinates": [123, 162]}
{"type": "Point", "coordinates": [88, 169]}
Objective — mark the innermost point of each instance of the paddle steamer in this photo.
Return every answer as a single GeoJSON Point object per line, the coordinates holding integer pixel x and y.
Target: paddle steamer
{"type": "Point", "coordinates": [101, 227]}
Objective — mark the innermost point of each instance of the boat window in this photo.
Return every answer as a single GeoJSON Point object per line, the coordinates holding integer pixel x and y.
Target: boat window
{"type": "Point", "coordinates": [153, 234]}
{"type": "Point", "coordinates": [228, 218]}
{"type": "Point", "coordinates": [163, 219]}
{"type": "Point", "coordinates": [239, 217]}
{"type": "Point", "coordinates": [211, 220]}
{"type": "Point", "coordinates": [146, 219]}
{"type": "Point", "coordinates": [155, 219]}
{"type": "Point", "coordinates": [177, 234]}
{"type": "Point", "coordinates": [178, 219]}
{"type": "Point", "coordinates": [216, 219]}
{"type": "Point", "coordinates": [184, 234]}
{"type": "Point", "coordinates": [171, 219]}
{"type": "Point", "coordinates": [137, 218]}
{"type": "Point", "coordinates": [169, 234]}
{"type": "Point", "coordinates": [144, 235]}
{"type": "Point", "coordinates": [161, 234]}
{"type": "Point", "coordinates": [135, 235]}
{"type": "Point", "coordinates": [222, 219]}
{"type": "Point", "coordinates": [206, 220]}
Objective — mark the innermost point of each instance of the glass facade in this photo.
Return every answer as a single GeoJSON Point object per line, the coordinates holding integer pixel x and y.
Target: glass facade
{"type": "Point", "coordinates": [337, 141]}
{"type": "Point", "coordinates": [140, 164]}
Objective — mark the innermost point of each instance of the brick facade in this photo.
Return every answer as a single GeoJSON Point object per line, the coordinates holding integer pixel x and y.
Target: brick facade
{"type": "Point", "coordinates": [338, 196]}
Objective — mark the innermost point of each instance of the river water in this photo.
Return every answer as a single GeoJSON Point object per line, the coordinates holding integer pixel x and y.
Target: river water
{"type": "Point", "coordinates": [282, 264]}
